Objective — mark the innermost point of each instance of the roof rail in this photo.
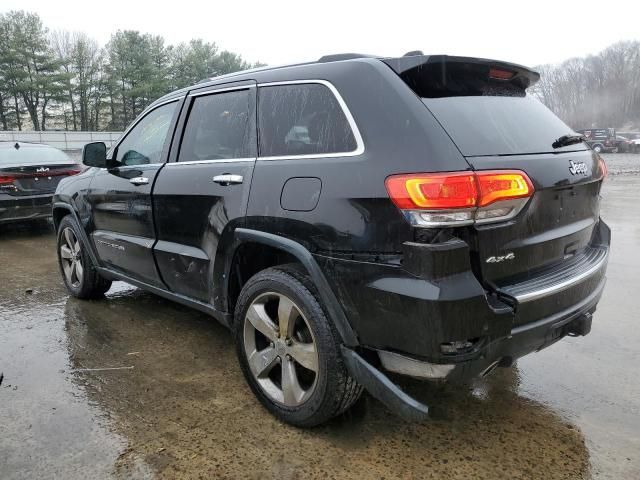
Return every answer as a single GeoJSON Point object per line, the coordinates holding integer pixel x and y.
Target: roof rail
{"type": "Point", "coordinates": [336, 57]}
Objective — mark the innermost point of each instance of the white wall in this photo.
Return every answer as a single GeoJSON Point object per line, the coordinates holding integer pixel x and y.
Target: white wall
{"type": "Point", "coordinates": [61, 140]}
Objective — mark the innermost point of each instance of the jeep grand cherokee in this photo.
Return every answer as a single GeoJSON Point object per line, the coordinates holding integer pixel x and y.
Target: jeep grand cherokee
{"type": "Point", "coordinates": [347, 218]}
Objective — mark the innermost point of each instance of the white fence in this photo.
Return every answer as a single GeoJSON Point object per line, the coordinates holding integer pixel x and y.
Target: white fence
{"type": "Point", "coordinates": [61, 140]}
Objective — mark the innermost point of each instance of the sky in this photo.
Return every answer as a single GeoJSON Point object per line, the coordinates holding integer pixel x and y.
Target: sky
{"type": "Point", "coordinates": [280, 32]}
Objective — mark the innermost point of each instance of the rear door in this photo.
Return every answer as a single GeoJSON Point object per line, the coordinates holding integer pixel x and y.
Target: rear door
{"type": "Point", "coordinates": [120, 198]}
{"type": "Point", "coordinates": [202, 193]}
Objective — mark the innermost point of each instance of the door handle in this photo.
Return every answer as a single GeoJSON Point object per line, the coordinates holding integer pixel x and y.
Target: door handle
{"type": "Point", "coordinates": [228, 179]}
{"type": "Point", "coordinates": [139, 181]}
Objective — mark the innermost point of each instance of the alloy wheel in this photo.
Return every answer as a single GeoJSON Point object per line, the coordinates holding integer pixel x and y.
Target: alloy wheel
{"type": "Point", "coordinates": [71, 258]}
{"type": "Point", "coordinates": [280, 349]}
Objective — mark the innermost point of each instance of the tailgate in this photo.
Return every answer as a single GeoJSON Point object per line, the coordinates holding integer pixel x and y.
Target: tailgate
{"type": "Point", "coordinates": [556, 224]}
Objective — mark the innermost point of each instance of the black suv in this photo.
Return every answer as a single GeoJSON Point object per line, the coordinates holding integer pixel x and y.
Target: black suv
{"type": "Point", "coordinates": [350, 217]}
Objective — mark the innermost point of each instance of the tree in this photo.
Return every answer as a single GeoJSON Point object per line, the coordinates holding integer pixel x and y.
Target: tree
{"type": "Point", "coordinates": [36, 74]}
{"type": "Point", "coordinates": [67, 78]}
{"type": "Point", "coordinates": [600, 90]}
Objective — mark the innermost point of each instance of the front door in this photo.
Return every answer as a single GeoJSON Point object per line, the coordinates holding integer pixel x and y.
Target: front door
{"type": "Point", "coordinates": [120, 198]}
{"type": "Point", "coordinates": [202, 193]}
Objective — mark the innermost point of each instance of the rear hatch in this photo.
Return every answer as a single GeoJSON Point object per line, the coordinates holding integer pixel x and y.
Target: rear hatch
{"type": "Point", "coordinates": [485, 109]}
{"type": "Point", "coordinates": [33, 169]}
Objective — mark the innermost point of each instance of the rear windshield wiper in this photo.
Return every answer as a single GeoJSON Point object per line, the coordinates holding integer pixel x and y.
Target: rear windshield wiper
{"type": "Point", "coordinates": [567, 140]}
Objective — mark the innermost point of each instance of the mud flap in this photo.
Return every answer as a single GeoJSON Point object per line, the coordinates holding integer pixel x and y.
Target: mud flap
{"type": "Point", "coordinates": [383, 389]}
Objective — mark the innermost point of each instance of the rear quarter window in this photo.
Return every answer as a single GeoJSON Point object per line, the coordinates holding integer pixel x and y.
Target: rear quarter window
{"type": "Point", "coordinates": [302, 119]}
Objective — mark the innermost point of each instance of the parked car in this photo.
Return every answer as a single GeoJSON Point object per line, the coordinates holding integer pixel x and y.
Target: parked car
{"type": "Point", "coordinates": [634, 138]}
{"type": "Point", "coordinates": [347, 218]}
{"type": "Point", "coordinates": [623, 144]}
{"type": "Point", "coordinates": [29, 175]}
{"type": "Point", "coordinates": [602, 140]}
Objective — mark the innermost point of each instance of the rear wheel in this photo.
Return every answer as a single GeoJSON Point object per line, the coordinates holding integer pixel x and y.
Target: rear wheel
{"type": "Point", "coordinates": [78, 273]}
{"type": "Point", "coordinates": [289, 351]}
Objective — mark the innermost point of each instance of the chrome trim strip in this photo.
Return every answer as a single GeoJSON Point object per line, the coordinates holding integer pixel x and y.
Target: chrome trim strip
{"type": "Point", "coordinates": [214, 90]}
{"type": "Point", "coordinates": [352, 123]}
{"type": "Point", "coordinates": [558, 287]}
{"type": "Point", "coordinates": [131, 167]}
{"type": "Point", "coordinates": [204, 162]}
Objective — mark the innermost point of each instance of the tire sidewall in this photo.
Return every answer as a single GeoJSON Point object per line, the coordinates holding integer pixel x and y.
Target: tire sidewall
{"type": "Point", "coordinates": [281, 282]}
{"type": "Point", "coordinates": [79, 291]}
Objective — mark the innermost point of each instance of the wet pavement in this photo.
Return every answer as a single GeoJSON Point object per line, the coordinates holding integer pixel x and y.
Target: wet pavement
{"type": "Point", "coordinates": [173, 403]}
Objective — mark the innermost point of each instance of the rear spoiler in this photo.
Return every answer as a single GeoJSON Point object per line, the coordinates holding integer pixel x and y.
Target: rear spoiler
{"type": "Point", "coordinates": [411, 68]}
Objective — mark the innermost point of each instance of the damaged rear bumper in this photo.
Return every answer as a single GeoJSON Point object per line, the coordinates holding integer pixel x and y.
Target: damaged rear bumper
{"type": "Point", "coordinates": [502, 352]}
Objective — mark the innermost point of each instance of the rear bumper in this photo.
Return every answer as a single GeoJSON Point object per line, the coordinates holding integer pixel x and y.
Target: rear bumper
{"type": "Point", "coordinates": [422, 315]}
{"type": "Point", "coordinates": [17, 208]}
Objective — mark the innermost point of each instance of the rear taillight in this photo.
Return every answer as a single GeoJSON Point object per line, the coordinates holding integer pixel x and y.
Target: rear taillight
{"type": "Point", "coordinates": [6, 183]}
{"type": "Point", "coordinates": [459, 198]}
{"type": "Point", "coordinates": [73, 171]}
{"type": "Point", "coordinates": [604, 171]}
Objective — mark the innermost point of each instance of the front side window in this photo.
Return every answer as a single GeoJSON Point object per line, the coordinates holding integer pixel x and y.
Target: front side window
{"type": "Point", "coordinates": [302, 119]}
{"type": "Point", "coordinates": [144, 143]}
{"type": "Point", "coordinates": [219, 127]}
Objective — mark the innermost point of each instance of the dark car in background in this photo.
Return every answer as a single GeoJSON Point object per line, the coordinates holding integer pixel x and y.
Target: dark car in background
{"type": "Point", "coordinates": [602, 140]}
{"type": "Point", "coordinates": [624, 144]}
{"type": "Point", "coordinates": [634, 141]}
{"type": "Point", "coordinates": [29, 175]}
{"type": "Point", "coordinates": [350, 217]}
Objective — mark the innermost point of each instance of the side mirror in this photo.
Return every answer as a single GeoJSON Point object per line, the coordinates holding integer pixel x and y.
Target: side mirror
{"type": "Point", "coordinates": [94, 154]}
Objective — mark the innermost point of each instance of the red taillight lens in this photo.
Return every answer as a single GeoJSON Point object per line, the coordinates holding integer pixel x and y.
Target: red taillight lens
{"type": "Point", "coordinates": [603, 168]}
{"type": "Point", "coordinates": [6, 180]}
{"type": "Point", "coordinates": [433, 191]}
{"type": "Point", "coordinates": [433, 199]}
{"type": "Point", "coordinates": [74, 171]}
{"type": "Point", "coordinates": [495, 186]}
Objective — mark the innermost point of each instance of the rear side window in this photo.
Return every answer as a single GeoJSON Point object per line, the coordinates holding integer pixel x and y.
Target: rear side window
{"type": "Point", "coordinates": [302, 119]}
{"type": "Point", "coordinates": [219, 127]}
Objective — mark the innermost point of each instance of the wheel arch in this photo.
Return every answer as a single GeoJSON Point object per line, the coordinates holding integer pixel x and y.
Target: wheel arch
{"type": "Point", "coordinates": [61, 210]}
{"type": "Point", "coordinates": [278, 250]}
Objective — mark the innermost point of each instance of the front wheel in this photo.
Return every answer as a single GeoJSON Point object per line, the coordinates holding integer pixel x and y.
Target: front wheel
{"type": "Point", "coordinates": [78, 273]}
{"type": "Point", "coordinates": [597, 148]}
{"type": "Point", "coordinates": [289, 351]}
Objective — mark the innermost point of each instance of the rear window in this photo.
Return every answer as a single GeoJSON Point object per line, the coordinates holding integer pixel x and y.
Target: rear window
{"type": "Point", "coordinates": [28, 154]}
{"type": "Point", "coordinates": [302, 119]}
{"type": "Point", "coordinates": [499, 125]}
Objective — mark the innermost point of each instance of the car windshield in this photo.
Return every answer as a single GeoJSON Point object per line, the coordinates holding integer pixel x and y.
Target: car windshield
{"type": "Point", "coordinates": [33, 154]}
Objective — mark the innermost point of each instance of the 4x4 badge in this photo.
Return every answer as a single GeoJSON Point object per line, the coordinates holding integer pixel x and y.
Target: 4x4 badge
{"type": "Point", "coordinates": [577, 168]}
{"type": "Point", "coordinates": [501, 258]}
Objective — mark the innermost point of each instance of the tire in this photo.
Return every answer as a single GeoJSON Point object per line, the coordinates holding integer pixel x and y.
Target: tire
{"type": "Point", "coordinates": [316, 391]}
{"type": "Point", "coordinates": [597, 148]}
{"type": "Point", "coordinates": [77, 270]}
